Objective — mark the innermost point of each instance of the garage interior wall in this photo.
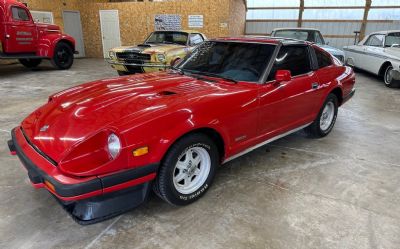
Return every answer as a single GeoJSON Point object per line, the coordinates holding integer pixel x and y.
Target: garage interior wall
{"type": "Point", "coordinates": [221, 17]}
{"type": "Point", "coordinates": [336, 19]}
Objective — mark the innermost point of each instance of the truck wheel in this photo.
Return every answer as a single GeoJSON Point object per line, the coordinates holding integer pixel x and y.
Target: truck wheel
{"type": "Point", "coordinates": [187, 170]}
{"type": "Point", "coordinates": [63, 56]}
{"type": "Point", "coordinates": [30, 63]}
{"type": "Point", "coordinates": [326, 118]}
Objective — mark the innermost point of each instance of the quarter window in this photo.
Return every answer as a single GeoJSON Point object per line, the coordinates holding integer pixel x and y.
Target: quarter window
{"type": "Point", "coordinates": [296, 59]}
{"type": "Point", "coordinates": [375, 40]}
{"type": "Point", "coordinates": [195, 39]}
{"type": "Point", "coordinates": [323, 58]}
{"type": "Point", "coordinates": [19, 14]}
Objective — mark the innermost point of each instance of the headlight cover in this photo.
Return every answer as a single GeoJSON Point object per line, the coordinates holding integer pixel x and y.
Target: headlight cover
{"type": "Point", "coordinates": [113, 145]}
{"type": "Point", "coordinates": [161, 57]}
{"type": "Point", "coordinates": [112, 55]}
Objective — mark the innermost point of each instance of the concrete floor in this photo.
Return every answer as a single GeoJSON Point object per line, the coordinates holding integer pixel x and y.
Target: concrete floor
{"type": "Point", "coordinates": [341, 191]}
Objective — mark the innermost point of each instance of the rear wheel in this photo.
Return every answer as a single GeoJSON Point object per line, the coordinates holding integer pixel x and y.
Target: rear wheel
{"type": "Point", "coordinates": [326, 118]}
{"type": "Point", "coordinates": [388, 77]}
{"type": "Point", "coordinates": [30, 63]}
{"type": "Point", "coordinates": [187, 170]}
{"type": "Point", "coordinates": [63, 56]}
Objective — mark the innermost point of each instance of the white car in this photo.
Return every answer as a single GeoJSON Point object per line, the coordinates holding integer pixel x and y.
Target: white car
{"type": "Point", "coordinates": [378, 53]}
{"type": "Point", "coordinates": [311, 35]}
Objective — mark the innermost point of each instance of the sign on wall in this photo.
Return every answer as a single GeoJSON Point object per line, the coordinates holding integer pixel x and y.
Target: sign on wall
{"type": "Point", "coordinates": [168, 22]}
{"type": "Point", "coordinates": [196, 21]}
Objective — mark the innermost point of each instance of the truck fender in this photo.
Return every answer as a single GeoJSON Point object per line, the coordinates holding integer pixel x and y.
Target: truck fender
{"type": "Point", "coordinates": [47, 44]}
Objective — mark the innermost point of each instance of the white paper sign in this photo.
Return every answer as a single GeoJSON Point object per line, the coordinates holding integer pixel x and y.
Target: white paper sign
{"type": "Point", "coordinates": [196, 21]}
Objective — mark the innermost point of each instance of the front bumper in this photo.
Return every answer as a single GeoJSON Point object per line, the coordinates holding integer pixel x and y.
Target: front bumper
{"type": "Point", "coordinates": [88, 199]}
{"type": "Point", "coordinates": [112, 62]}
{"type": "Point", "coordinates": [137, 67]}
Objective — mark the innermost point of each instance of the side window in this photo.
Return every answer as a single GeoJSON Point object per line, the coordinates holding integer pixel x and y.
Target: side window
{"type": "Point", "coordinates": [318, 38]}
{"type": "Point", "coordinates": [323, 58]}
{"type": "Point", "coordinates": [20, 14]}
{"type": "Point", "coordinates": [375, 40]}
{"type": "Point", "coordinates": [296, 59]}
{"type": "Point", "coordinates": [195, 39]}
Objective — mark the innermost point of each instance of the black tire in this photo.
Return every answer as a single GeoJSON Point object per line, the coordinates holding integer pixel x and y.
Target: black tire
{"type": "Point", "coordinates": [388, 79]}
{"type": "Point", "coordinates": [30, 63]}
{"type": "Point", "coordinates": [164, 185]}
{"type": "Point", "coordinates": [123, 73]}
{"type": "Point", "coordinates": [63, 56]}
{"type": "Point", "coordinates": [315, 129]}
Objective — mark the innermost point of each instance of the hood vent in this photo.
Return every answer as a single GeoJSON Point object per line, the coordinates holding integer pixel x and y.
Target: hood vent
{"type": "Point", "coordinates": [166, 93]}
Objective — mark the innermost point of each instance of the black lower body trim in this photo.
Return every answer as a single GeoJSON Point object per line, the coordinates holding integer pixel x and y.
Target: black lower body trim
{"type": "Point", "coordinates": [104, 207]}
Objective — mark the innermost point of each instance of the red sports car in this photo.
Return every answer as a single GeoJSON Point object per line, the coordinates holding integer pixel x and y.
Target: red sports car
{"type": "Point", "coordinates": [101, 147]}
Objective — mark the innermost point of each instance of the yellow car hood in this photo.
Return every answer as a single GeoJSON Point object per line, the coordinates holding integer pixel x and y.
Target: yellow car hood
{"type": "Point", "coordinates": [148, 48]}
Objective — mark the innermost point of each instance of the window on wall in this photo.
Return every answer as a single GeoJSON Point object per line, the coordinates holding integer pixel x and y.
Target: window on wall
{"type": "Point", "coordinates": [333, 14]}
{"type": "Point", "coordinates": [385, 3]}
{"type": "Point", "coordinates": [42, 17]}
{"type": "Point", "coordinates": [332, 3]}
{"type": "Point", "coordinates": [273, 14]}
{"type": "Point", "coordinates": [273, 3]}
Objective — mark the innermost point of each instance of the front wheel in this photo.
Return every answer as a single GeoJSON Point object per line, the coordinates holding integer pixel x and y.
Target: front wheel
{"type": "Point", "coordinates": [30, 63]}
{"type": "Point", "coordinates": [326, 118]}
{"type": "Point", "coordinates": [63, 57]}
{"type": "Point", "coordinates": [187, 170]}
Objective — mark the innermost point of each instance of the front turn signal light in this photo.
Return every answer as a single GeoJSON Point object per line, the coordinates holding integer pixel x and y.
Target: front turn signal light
{"type": "Point", "coordinates": [141, 151]}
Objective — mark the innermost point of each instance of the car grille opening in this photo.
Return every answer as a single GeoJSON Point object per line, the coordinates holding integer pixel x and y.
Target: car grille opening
{"type": "Point", "coordinates": [134, 57]}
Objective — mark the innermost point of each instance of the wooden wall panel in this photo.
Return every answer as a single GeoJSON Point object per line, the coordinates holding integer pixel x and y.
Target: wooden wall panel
{"type": "Point", "coordinates": [137, 18]}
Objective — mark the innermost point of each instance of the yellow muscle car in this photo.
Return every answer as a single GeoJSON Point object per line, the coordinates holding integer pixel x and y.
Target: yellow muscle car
{"type": "Point", "coordinates": [160, 50]}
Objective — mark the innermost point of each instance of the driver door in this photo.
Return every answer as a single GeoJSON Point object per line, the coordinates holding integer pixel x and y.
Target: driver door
{"type": "Point", "coordinates": [21, 33]}
{"type": "Point", "coordinates": [287, 105]}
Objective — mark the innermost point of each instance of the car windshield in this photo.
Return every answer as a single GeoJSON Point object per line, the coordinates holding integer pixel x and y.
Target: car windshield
{"type": "Point", "coordinates": [237, 61]}
{"type": "Point", "coordinates": [304, 35]}
{"type": "Point", "coordinates": [168, 37]}
{"type": "Point", "coordinates": [392, 39]}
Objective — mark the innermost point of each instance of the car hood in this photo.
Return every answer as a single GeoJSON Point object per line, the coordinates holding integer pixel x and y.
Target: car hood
{"type": "Point", "coordinates": [76, 114]}
{"type": "Point", "coordinates": [330, 49]}
{"type": "Point", "coordinates": [148, 48]}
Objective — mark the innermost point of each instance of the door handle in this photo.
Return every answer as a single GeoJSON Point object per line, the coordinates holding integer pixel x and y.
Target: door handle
{"type": "Point", "coordinates": [314, 85]}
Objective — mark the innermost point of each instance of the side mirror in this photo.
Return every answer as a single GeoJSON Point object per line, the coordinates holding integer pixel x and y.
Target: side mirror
{"type": "Point", "coordinates": [349, 62]}
{"type": "Point", "coordinates": [282, 75]}
{"type": "Point", "coordinates": [175, 62]}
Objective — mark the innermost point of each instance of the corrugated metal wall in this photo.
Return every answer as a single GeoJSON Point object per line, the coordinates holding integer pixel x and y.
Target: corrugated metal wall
{"type": "Point", "coordinates": [337, 33]}
{"type": "Point", "coordinates": [336, 19]}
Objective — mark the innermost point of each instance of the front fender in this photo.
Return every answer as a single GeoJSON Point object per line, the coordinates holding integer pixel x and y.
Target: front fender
{"type": "Point", "coordinates": [48, 42]}
{"type": "Point", "coordinates": [166, 130]}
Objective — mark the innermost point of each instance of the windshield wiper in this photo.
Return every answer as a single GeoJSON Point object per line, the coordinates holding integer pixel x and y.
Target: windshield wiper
{"type": "Point", "coordinates": [215, 75]}
{"type": "Point", "coordinates": [178, 70]}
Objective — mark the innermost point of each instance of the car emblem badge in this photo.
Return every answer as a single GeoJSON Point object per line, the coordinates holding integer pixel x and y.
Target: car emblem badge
{"type": "Point", "coordinates": [44, 128]}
